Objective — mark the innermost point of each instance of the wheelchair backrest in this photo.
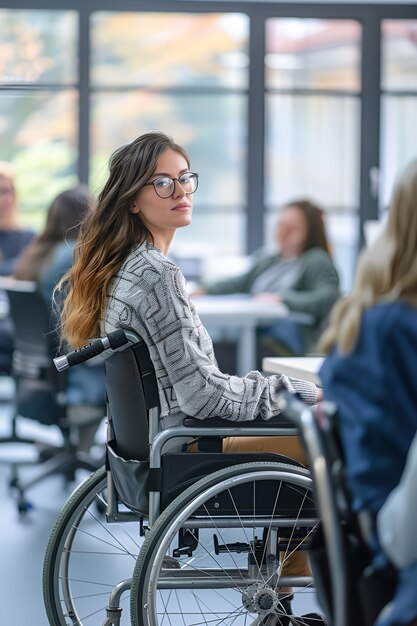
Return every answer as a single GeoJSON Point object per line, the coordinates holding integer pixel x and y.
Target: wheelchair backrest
{"type": "Point", "coordinates": [132, 391]}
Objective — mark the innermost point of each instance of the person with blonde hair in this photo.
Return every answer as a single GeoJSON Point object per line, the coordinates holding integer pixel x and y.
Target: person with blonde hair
{"type": "Point", "coordinates": [370, 373]}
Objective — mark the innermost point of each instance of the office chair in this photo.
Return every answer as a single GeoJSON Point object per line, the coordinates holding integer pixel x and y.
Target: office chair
{"type": "Point", "coordinates": [41, 392]}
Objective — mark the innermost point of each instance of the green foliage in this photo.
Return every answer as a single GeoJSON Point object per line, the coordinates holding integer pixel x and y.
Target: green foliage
{"type": "Point", "coordinates": [99, 171]}
{"type": "Point", "coordinates": [43, 170]}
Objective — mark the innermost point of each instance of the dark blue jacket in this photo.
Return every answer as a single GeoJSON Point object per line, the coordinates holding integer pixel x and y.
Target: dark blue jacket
{"type": "Point", "coordinates": [375, 389]}
{"type": "Point", "coordinates": [86, 381]}
{"type": "Point", "coordinates": [12, 244]}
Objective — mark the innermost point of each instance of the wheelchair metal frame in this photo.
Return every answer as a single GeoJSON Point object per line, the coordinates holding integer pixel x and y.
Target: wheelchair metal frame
{"type": "Point", "coordinates": [329, 499]}
{"type": "Point", "coordinates": [157, 440]}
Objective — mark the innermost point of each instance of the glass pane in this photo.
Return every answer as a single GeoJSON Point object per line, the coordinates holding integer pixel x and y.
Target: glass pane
{"type": "Point", "coordinates": [313, 54]}
{"type": "Point", "coordinates": [211, 233]}
{"type": "Point", "coordinates": [167, 49]}
{"type": "Point", "coordinates": [312, 148]}
{"type": "Point", "coordinates": [211, 128]}
{"type": "Point", "coordinates": [38, 135]}
{"type": "Point", "coordinates": [343, 233]}
{"type": "Point", "coordinates": [38, 46]}
{"type": "Point", "coordinates": [398, 141]}
{"type": "Point", "coordinates": [399, 54]}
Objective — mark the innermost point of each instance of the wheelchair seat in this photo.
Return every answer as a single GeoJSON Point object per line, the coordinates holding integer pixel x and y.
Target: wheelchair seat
{"type": "Point", "coordinates": [134, 421]}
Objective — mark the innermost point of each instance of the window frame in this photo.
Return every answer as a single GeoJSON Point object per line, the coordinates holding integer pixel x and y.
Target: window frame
{"type": "Point", "coordinates": [369, 15]}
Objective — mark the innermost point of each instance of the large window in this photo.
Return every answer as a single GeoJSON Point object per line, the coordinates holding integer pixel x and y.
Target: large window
{"type": "Point", "coordinates": [186, 74]}
{"type": "Point", "coordinates": [399, 101]}
{"type": "Point", "coordinates": [273, 101]}
{"type": "Point", "coordinates": [313, 84]}
{"type": "Point", "coordinates": [38, 104]}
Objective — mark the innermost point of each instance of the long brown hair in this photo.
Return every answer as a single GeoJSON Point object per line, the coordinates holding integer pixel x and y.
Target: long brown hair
{"type": "Point", "coordinates": [108, 234]}
{"type": "Point", "coordinates": [316, 229]}
{"type": "Point", "coordinates": [387, 271]}
{"type": "Point", "coordinates": [63, 221]}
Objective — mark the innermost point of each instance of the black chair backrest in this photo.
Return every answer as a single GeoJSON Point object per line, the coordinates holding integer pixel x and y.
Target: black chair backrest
{"type": "Point", "coordinates": [132, 390]}
{"type": "Point", "coordinates": [40, 390]}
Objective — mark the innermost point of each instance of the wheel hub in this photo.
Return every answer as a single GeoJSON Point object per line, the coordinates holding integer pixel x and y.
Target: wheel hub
{"type": "Point", "coordinates": [259, 598]}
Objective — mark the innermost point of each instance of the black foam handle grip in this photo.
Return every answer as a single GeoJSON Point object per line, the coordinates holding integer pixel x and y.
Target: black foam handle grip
{"type": "Point", "coordinates": [86, 352]}
{"type": "Point", "coordinates": [113, 340]}
{"type": "Point", "coordinates": [117, 339]}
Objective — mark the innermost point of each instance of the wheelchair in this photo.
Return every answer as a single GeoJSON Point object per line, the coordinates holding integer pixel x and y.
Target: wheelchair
{"type": "Point", "coordinates": [164, 537]}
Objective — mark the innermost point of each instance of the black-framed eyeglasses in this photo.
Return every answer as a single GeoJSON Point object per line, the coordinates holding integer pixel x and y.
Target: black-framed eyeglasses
{"type": "Point", "coordinates": [165, 185]}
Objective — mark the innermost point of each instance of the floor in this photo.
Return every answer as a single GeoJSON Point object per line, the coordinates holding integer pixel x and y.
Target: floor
{"type": "Point", "coordinates": [23, 539]}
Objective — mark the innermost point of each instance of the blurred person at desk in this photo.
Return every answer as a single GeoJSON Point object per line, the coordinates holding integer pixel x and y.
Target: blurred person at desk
{"type": "Point", "coordinates": [48, 257]}
{"type": "Point", "coordinates": [301, 275]}
{"type": "Point", "coordinates": [13, 240]}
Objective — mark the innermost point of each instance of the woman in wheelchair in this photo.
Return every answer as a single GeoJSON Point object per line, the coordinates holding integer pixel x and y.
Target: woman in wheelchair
{"type": "Point", "coordinates": [122, 278]}
{"type": "Point", "coordinates": [370, 375]}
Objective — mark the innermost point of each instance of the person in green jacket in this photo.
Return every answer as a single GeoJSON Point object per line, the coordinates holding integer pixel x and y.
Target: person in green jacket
{"type": "Point", "coordinates": [301, 275]}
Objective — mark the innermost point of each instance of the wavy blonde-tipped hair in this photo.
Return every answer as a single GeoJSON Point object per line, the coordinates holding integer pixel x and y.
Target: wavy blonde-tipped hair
{"type": "Point", "coordinates": [107, 235]}
{"type": "Point", "coordinates": [386, 271]}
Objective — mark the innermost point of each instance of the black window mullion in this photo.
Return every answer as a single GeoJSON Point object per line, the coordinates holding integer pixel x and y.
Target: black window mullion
{"type": "Point", "coordinates": [256, 136]}
{"type": "Point", "coordinates": [84, 96]}
{"type": "Point", "coordinates": [370, 120]}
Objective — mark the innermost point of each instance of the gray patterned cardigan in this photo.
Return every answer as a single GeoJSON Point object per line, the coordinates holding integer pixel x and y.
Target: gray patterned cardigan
{"type": "Point", "coordinates": [149, 296]}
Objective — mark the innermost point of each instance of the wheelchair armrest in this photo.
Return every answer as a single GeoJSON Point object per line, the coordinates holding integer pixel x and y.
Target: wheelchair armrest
{"type": "Point", "coordinates": [218, 422]}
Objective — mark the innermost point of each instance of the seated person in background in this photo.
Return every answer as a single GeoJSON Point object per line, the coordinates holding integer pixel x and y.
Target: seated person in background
{"type": "Point", "coordinates": [370, 374]}
{"type": "Point", "coordinates": [122, 278]}
{"type": "Point", "coordinates": [13, 240]}
{"type": "Point", "coordinates": [48, 257]}
{"type": "Point", "coordinates": [300, 274]}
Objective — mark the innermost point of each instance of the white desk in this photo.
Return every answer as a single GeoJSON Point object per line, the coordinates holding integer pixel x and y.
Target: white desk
{"type": "Point", "coordinates": [305, 368]}
{"type": "Point", "coordinates": [246, 315]}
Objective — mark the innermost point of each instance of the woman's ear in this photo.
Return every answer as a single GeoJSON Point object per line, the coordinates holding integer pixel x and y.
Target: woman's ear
{"type": "Point", "coordinates": [135, 208]}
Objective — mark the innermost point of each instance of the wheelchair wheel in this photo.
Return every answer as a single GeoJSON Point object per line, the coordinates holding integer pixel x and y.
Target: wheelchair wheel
{"type": "Point", "coordinates": [217, 554]}
{"type": "Point", "coordinates": [87, 557]}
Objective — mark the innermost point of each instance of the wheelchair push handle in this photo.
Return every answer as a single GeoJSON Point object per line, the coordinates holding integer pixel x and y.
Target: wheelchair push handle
{"type": "Point", "coordinates": [113, 340]}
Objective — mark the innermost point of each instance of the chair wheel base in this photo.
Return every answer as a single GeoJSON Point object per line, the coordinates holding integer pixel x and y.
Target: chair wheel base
{"type": "Point", "coordinates": [24, 506]}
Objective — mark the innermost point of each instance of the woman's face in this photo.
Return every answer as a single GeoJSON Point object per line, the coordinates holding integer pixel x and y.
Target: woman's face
{"type": "Point", "coordinates": [7, 196]}
{"type": "Point", "coordinates": [162, 216]}
{"type": "Point", "coordinates": [291, 233]}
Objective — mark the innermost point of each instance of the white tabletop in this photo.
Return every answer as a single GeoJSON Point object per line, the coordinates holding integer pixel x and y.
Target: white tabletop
{"type": "Point", "coordinates": [240, 311]}
{"type": "Point", "coordinates": [244, 314]}
{"type": "Point", "coordinates": [241, 308]}
{"type": "Point", "coordinates": [237, 309]}
{"type": "Point", "coordinates": [305, 368]}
